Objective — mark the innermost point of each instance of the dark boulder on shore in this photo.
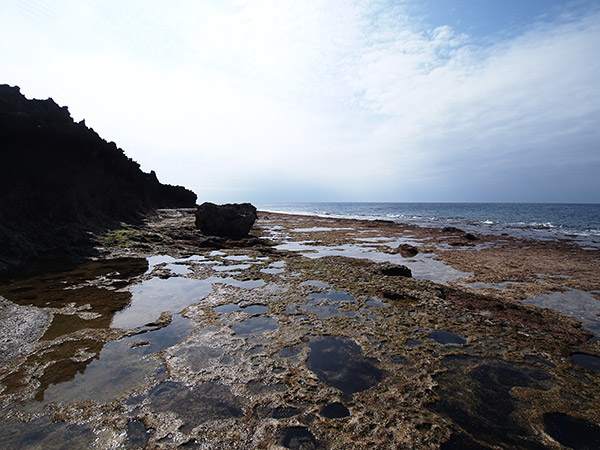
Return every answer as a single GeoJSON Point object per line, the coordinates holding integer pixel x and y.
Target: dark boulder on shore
{"type": "Point", "coordinates": [393, 270]}
{"type": "Point", "coordinates": [59, 180]}
{"type": "Point", "coordinates": [232, 220]}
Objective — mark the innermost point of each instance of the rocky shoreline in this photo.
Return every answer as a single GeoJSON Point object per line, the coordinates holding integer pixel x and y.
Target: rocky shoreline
{"type": "Point", "coordinates": [309, 333]}
{"type": "Point", "coordinates": [60, 182]}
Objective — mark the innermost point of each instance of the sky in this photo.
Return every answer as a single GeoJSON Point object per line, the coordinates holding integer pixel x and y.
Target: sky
{"type": "Point", "coordinates": [330, 100]}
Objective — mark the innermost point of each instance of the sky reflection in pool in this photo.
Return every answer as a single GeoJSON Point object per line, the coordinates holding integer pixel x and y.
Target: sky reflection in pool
{"type": "Point", "coordinates": [574, 303]}
{"type": "Point", "coordinates": [255, 325]}
{"type": "Point", "coordinates": [127, 367]}
{"type": "Point", "coordinates": [156, 295]}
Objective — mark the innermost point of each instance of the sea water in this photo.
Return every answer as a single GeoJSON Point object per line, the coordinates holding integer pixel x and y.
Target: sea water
{"type": "Point", "coordinates": [544, 221]}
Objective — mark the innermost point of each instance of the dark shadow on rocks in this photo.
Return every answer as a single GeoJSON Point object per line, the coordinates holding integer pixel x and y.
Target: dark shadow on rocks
{"type": "Point", "coordinates": [475, 394]}
{"type": "Point", "coordinates": [59, 180]}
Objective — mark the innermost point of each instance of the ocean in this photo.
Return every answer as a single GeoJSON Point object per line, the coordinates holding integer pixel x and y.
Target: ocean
{"type": "Point", "coordinates": [579, 223]}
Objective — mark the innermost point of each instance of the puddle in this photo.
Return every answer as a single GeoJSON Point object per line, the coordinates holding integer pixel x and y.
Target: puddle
{"type": "Point", "coordinates": [574, 303]}
{"type": "Point", "coordinates": [201, 356]}
{"type": "Point", "coordinates": [93, 286]}
{"type": "Point", "coordinates": [60, 362]}
{"type": "Point", "coordinates": [237, 258]}
{"type": "Point", "coordinates": [447, 338]}
{"type": "Point", "coordinates": [298, 438]}
{"type": "Point", "coordinates": [231, 268]}
{"type": "Point", "coordinates": [275, 268]}
{"type": "Point", "coordinates": [127, 363]}
{"type": "Point", "coordinates": [63, 324]}
{"type": "Point", "coordinates": [229, 307]}
{"type": "Point", "coordinates": [335, 411]}
{"type": "Point", "coordinates": [315, 306]}
{"type": "Point", "coordinates": [255, 309]}
{"type": "Point", "coordinates": [318, 229]}
{"type": "Point", "coordinates": [256, 350]}
{"type": "Point", "coordinates": [320, 304]}
{"type": "Point", "coordinates": [173, 264]}
{"type": "Point", "coordinates": [314, 283]}
{"type": "Point", "coordinates": [178, 269]}
{"type": "Point", "coordinates": [422, 266]}
{"type": "Point", "coordinates": [43, 433]}
{"type": "Point", "coordinates": [288, 352]}
{"type": "Point", "coordinates": [572, 433]}
{"type": "Point", "coordinates": [340, 363]}
{"type": "Point", "coordinates": [378, 239]}
{"type": "Point", "coordinates": [376, 303]}
{"type": "Point", "coordinates": [255, 325]}
{"type": "Point", "coordinates": [475, 393]}
{"type": "Point", "coordinates": [156, 295]}
{"type": "Point", "coordinates": [337, 296]}
{"type": "Point", "coordinates": [587, 361]}
{"type": "Point", "coordinates": [195, 406]}
{"type": "Point", "coordinates": [155, 260]}
{"type": "Point", "coordinates": [137, 435]}
{"type": "Point", "coordinates": [481, 285]}
{"type": "Point", "coordinates": [272, 271]}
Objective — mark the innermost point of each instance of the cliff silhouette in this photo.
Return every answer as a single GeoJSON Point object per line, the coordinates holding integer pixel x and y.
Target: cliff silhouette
{"type": "Point", "coordinates": [59, 180]}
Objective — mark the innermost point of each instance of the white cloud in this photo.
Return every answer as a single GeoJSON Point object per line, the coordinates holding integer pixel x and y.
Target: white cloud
{"type": "Point", "coordinates": [353, 100]}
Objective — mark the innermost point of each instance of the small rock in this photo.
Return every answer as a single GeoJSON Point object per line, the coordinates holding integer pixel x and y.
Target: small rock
{"type": "Point", "coordinates": [406, 250]}
{"type": "Point", "coordinates": [396, 271]}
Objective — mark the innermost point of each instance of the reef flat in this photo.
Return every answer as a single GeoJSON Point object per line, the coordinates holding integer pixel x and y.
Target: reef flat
{"type": "Point", "coordinates": [311, 333]}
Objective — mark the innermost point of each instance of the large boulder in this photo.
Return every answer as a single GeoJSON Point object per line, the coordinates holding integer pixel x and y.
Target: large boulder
{"type": "Point", "coordinates": [232, 220]}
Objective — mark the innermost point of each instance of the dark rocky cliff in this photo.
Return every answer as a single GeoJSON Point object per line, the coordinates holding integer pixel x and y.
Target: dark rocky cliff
{"type": "Point", "coordinates": [59, 179]}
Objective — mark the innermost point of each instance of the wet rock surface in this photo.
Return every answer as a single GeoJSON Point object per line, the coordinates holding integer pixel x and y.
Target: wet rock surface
{"type": "Point", "coordinates": [169, 343]}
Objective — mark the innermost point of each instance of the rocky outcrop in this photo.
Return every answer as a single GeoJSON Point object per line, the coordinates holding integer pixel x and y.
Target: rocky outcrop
{"type": "Point", "coordinates": [59, 180]}
{"type": "Point", "coordinates": [232, 220]}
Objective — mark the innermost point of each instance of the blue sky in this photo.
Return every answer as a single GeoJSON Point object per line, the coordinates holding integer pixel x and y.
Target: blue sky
{"type": "Point", "coordinates": [430, 100]}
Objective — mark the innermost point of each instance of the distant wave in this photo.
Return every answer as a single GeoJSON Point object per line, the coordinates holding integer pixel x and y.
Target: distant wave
{"type": "Point", "coordinates": [578, 222]}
